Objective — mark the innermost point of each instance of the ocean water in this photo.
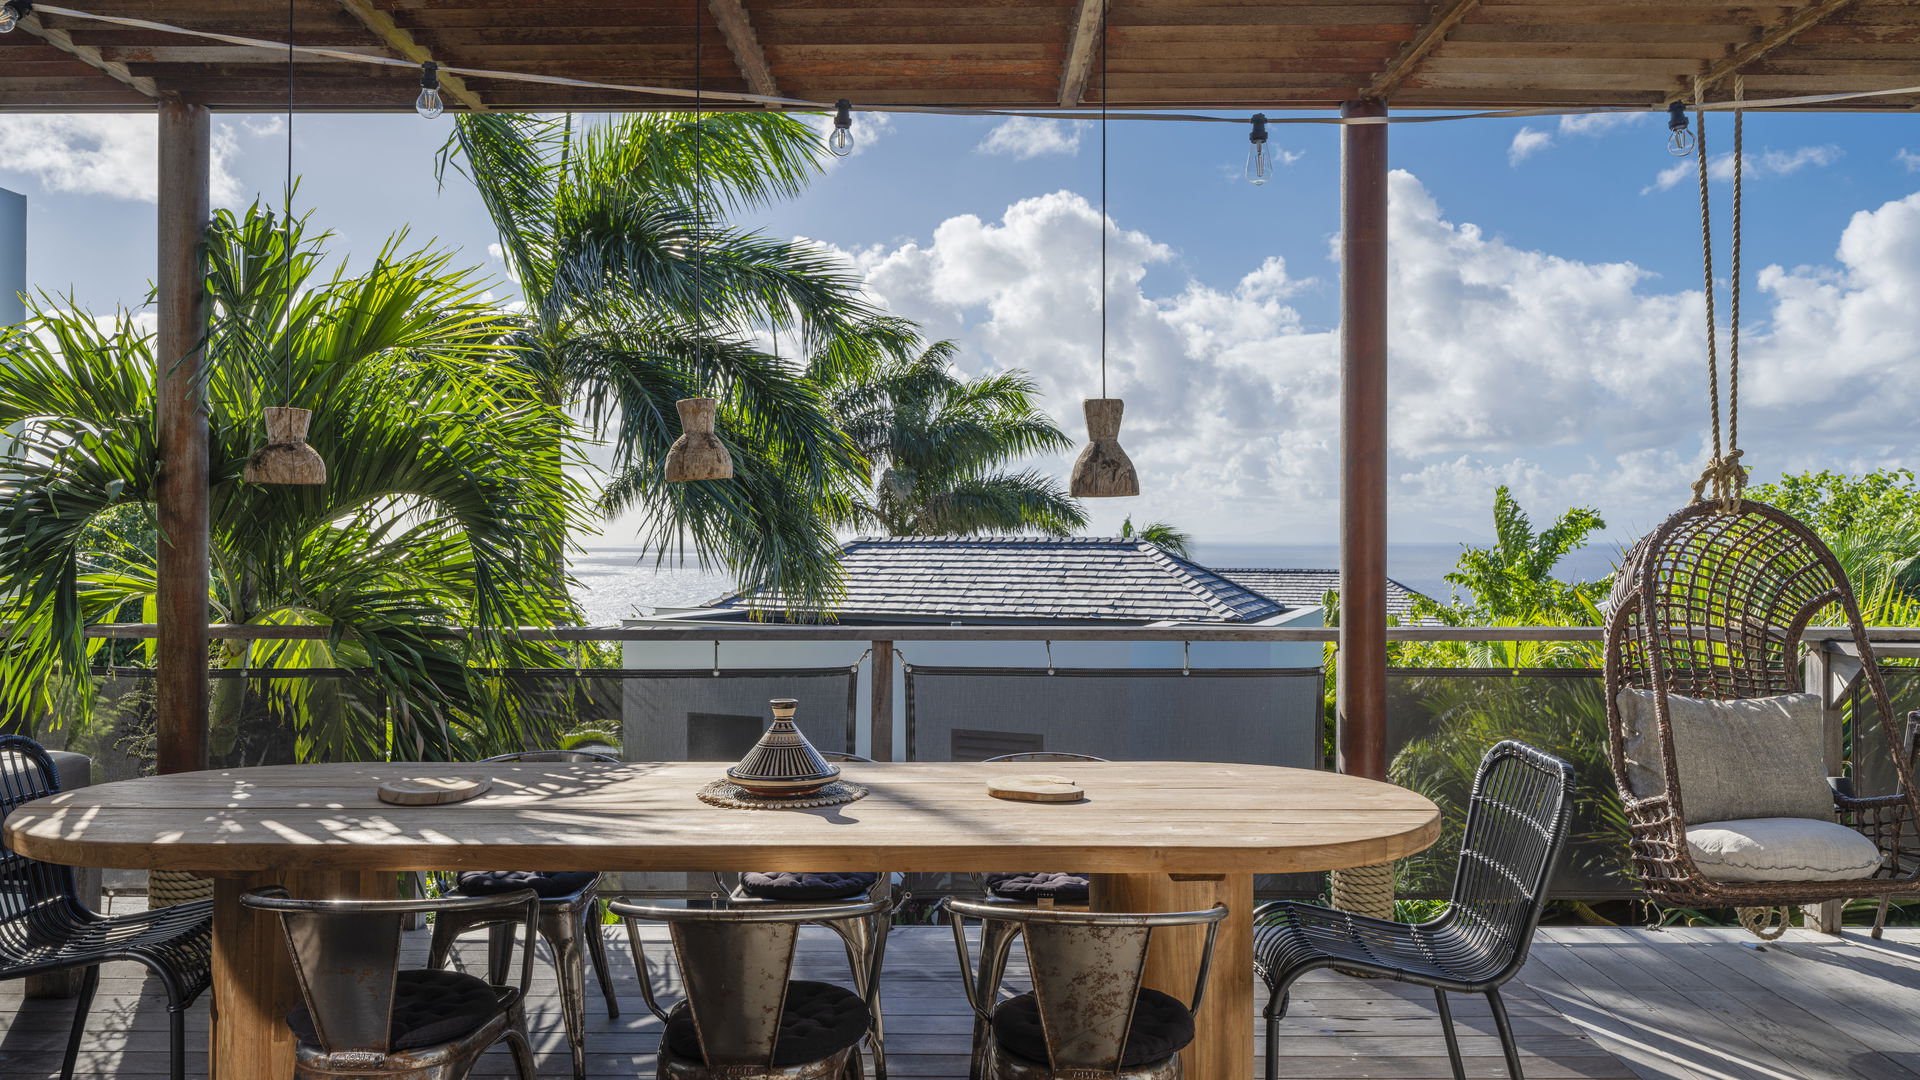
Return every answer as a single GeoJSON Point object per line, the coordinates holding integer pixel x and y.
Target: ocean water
{"type": "Point", "coordinates": [628, 582]}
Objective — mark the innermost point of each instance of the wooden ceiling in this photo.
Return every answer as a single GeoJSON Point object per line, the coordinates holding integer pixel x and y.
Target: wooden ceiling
{"type": "Point", "coordinates": [1229, 54]}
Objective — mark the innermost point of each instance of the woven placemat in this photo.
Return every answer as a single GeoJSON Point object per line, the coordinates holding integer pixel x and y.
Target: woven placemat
{"type": "Point", "coordinates": [732, 796]}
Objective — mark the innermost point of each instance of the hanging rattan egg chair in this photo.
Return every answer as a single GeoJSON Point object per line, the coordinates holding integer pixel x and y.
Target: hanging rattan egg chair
{"type": "Point", "coordinates": [1713, 605]}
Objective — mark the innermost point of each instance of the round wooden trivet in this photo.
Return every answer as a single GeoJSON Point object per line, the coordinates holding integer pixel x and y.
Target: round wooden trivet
{"type": "Point", "coordinates": [1035, 787]}
{"type": "Point", "coordinates": [726, 793]}
{"type": "Point", "coordinates": [433, 790]}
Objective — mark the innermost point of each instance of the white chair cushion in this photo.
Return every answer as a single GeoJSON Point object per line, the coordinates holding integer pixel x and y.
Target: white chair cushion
{"type": "Point", "coordinates": [1749, 758]}
{"type": "Point", "coordinates": [1781, 849]}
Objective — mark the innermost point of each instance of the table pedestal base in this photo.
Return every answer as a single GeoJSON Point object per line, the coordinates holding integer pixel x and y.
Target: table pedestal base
{"type": "Point", "coordinates": [253, 984]}
{"type": "Point", "coordinates": [1223, 1039]}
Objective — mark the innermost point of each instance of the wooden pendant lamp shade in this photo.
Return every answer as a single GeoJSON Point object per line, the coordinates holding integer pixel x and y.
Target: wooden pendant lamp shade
{"type": "Point", "coordinates": [1103, 469]}
{"type": "Point", "coordinates": [287, 459]}
{"type": "Point", "coordinates": [698, 454]}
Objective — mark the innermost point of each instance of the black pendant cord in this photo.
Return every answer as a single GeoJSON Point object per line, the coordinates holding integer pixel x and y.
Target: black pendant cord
{"type": "Point", "coordinates": [1103, 198]}
{"type": "Point", "coordinates": [699, 191]}
{"type": "Point", "coordinates": [286, 226]}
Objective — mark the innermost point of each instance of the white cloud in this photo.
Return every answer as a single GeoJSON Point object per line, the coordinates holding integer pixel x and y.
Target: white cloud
{"type": "Point", "coordinates": [1575, 382]}
{"type": "Point", "coordinates": [106, 154]}
{"type": "Point", "coordinates": [1530, 140]}
{"type": "Point", "coordinates": [1599, 123]}
{"type": "Point", "coordinates": [1527, 142]}
{"type": "Point", "coordinates": [1908, 158]}
{"type": "Point", "coordinates": [1766, 163]}
{"type": "Point", "coordinates": [1025, 137]}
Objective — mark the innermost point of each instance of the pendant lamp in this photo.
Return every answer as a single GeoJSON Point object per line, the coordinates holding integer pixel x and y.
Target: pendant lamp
{"type": "Point", "coordinates": [287, 458]}
{"type": "Point", "coordinates": [1103, 470]}
{"type": "Point", "coordinates": [698, 454]}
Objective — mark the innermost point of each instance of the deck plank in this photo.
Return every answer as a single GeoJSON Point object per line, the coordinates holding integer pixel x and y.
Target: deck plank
{"type": "Point", "coordinates": [1592, 1004]}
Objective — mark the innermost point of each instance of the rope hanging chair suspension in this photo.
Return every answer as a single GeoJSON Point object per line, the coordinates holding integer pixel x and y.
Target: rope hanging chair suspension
{"type": "Point", "coordinates": [1709, 609]}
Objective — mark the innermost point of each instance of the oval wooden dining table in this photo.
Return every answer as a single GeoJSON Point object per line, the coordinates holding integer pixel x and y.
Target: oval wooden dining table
{"type": "Point", "coordinates": [1163, 835]}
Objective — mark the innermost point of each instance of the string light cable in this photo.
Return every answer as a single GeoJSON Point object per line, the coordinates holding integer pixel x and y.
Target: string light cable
{"type": "Point", "coordinates": [19, 9]}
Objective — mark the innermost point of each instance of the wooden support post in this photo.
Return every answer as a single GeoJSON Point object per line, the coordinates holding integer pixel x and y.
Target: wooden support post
{"type": "Point", "coordinates": [880, 722]}
{"type": "Point", "coordinates": [180, 686]}
{"type": "Point", "coordinates": [1362, 692]}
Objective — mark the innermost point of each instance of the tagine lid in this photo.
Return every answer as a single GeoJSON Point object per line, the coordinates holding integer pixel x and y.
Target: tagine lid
{"type": "Point", "coordinates": [783, 760]}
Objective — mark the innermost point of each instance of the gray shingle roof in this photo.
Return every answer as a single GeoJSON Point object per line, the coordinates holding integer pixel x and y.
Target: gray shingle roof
{"type": "Point", "coordinates": [1028, 578]}
{"type": "Point", "coordinates": [1306, 588]}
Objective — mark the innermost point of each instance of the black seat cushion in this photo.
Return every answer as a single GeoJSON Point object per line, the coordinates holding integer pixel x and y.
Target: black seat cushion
{"type": "Point", "coordinates": [1162, 1027]}
{"type": "Point", "coordinates": [1028, 888]}
{"type": "Point", "coordinates": [550, 884]}
{"type": "Point", "coordinates": [430, 1008]}
{"type": "Point", "coordinates": [818, 1020]}
{"type": "Point", "coordinates": [788, 885]}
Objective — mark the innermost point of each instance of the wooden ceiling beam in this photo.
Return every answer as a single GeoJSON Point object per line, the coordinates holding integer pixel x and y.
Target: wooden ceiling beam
{"type": "Point", "coordinates": [744, 44]}
{"type": "Point", "coordinates": [401, 41]}
{"type": "Point", "coordinates": [1758, 49]}
{"type": "Point", "coordinates": [91, 57]}
{"type": "Point", "coordinates": [1446, 16]}
{"type": "Point", "coordinates": [1082, 38]}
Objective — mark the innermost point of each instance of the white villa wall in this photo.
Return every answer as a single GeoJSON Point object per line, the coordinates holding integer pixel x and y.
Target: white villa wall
{"type": "Point", "coordinates": [13, 256]}
{"type": "Point", "coordinates": [699, 655]}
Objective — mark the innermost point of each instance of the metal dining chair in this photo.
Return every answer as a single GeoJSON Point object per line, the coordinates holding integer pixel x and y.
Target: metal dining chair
{"type": "Point", "coordinates": [866, 940]}
{"type": "Point", "coordinates": [1517, 823]}
{"type": "Point", "coordinates": [1045, 888]}
{"type": "Point", "coordinates": [744, 1016]}
{"type": "Point", "coordinates": [361, 1015]}
{"type": "Point", "coordinates": [1087, 1015]}
{"type": "Point", "coordinates": [569, 912]}
{"type": "Point", "coordinates": [45, 928]}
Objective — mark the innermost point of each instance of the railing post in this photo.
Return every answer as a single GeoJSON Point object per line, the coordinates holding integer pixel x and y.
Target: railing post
{"type": "Point", "coordinates": [1829, 673]}
{"type": "Point", "coordinates": [880, 737]}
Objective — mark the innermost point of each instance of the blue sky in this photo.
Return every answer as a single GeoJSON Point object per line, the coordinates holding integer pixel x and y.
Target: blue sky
{"type": "Point", "coordinates": [1548, 327]}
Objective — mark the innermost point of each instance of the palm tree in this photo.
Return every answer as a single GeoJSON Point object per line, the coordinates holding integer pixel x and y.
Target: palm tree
{"type": "Point", "coordinates": [1161, 534]}
{"type": "Point", "coordinates": [446, 503]}
{"type": "Point", "coordinates": [638, 293]}
{"type": "Point", "coordinates": [938, 441]}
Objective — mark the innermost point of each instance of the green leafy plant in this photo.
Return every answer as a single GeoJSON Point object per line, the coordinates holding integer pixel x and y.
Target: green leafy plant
{"type": "Point", "coordinates": [938, 443]}
{"type": "Point", "coordinates": [1161, 534]}
{"type": "Point", "coordinates": [639, 293]}
{"type": "Point", "coordinates": [447, 500]}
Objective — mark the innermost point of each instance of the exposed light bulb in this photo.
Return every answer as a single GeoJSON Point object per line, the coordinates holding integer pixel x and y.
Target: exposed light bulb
{"type": "Point", "coordinates": [428, 104]}
{"type": "Point", "coordinates": [12, 12]}
{"type": "Point", "coordinates": [841, 141]}
{"type": "Point", "coordinates": [1680, 140]}
{"type": "Point", "coordinates": [1259, 161]}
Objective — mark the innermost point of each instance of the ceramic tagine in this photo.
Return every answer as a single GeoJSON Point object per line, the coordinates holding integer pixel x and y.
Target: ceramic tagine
{"type": "Point", "coordinates": [783, 764]}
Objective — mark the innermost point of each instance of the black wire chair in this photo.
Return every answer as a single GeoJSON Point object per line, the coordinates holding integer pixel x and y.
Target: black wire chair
{"type": "Point", "coordinates": [569, 915]}
{"type": "Point", "coordinates": [45, 928]}
{"type": "Point", "coordinates": [1517, 823]}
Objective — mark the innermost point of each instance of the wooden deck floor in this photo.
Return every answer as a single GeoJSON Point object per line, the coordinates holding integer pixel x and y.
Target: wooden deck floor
{"type": "Point", "coordinates": [1594, 1003]}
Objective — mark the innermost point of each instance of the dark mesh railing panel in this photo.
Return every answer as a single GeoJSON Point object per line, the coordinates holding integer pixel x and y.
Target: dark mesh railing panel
{"type": "Point", "coordinates": [1265, 716]}
{"type": "Point", "coordinates": [701, 716]}
{"type": "Point", "coordinates": [1440, 721]}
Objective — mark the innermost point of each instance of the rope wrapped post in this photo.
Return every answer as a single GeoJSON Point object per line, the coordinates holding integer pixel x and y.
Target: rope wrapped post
{"type": "Point", "coordinates": [166, 888]}
{"type": "Point", "coordinates": [1364, 890]}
